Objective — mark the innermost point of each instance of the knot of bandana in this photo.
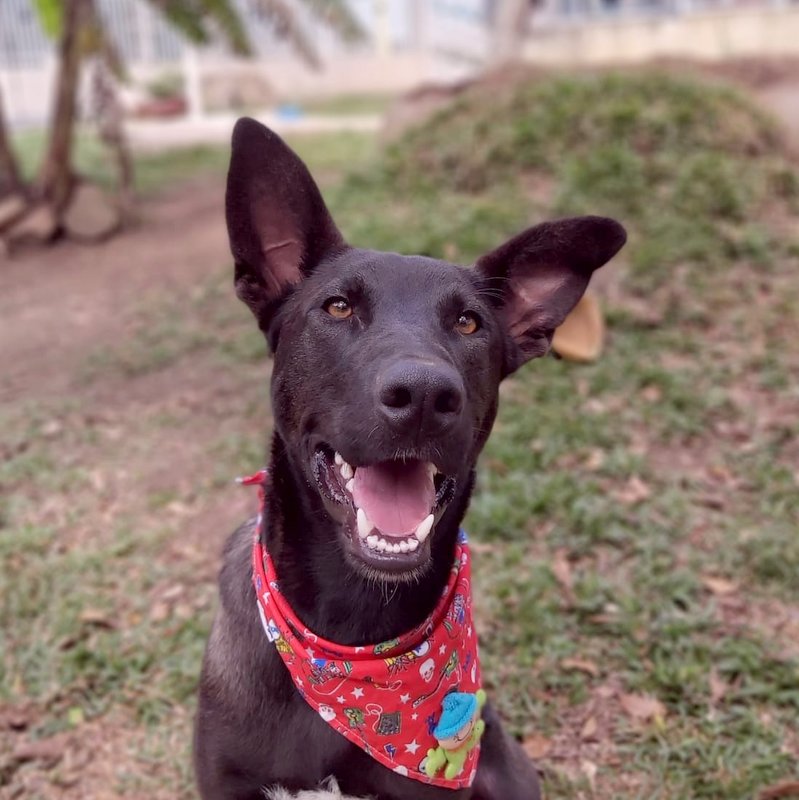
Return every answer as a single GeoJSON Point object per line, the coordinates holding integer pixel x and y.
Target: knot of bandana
{"type": "Point", "coordinates": [387, 698]}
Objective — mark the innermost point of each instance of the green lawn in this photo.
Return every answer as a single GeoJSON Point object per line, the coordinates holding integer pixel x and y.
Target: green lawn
{"type": "Point", "coordinates": [635, 521]}
{"type": "Point", "coordinates": [157, 171]}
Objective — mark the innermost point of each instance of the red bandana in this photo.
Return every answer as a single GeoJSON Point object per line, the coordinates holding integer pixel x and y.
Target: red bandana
{"type": "Point", "coordinates": [389, 698]}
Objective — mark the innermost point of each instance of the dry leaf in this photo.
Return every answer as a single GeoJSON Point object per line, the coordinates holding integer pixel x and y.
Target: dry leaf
{"type": "Point", "coordinates": [580, 665]}
{"type": "Point", "coordinates": [720, 474]}
{"type": "Point", "coordinates": [715, 502]}
{"type": "Point", "coordinates": [595, 460]}
{"type": "Point", "coordinates": [778, 790]}
{"type": "Point", "coordinates": [561, 569]}
{"type": "Point", "coordinates": [589, 729]}
{"type": "Point", "coordinates": [642, 707]}
{"type": "Point", "coordinates": [718, 687]}
{"type": "Point", "coordinates": [183, 611]}
{"type": "Point", "coordinates": [52, 428]}
{"type": "Point", "coordinates": [15, 719]}
{"type": "Point", "coordinates": [159, 612]}
{"type": "Point", "coordinates": [94, 616]}
{"type": "Point", "coordinates": [635, 491]}
{"type": "Point", "coordinates": [173, 592]}
{"type": "Point", "coordinates": [537, 746]}
{"type": "Point", "coordinates": [720, 586]}
{"type": "Point", "coordinates": [48, 751]}
{"type": "Point", "coordinates": [652, 393]}
{"type": "Point", "coordinates": [589, 769]}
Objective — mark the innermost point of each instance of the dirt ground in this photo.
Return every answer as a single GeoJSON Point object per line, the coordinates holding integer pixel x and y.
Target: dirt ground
{"type": "Point", "coordinates": [57, 307]}
{"type": "Point", "coordinates": [179, 238]}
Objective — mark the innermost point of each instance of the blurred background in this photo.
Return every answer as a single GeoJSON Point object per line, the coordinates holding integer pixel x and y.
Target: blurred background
{"type": "Point", "coordinates": [636, 520]}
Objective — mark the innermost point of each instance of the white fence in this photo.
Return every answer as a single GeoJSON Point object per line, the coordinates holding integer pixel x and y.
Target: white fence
{"type": "Point", "coordinates": [150, 46]}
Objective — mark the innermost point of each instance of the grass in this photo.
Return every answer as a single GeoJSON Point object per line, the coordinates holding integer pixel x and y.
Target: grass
{"type": "Point", "coordinates": [636, 517]}
{"type": "Point", "coordinates": [369, 103]}
{"type": "Point", "coordinates": [159, 170]}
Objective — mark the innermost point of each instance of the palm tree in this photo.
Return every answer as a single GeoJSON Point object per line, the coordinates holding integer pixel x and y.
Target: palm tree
{"type": "Point", "coordinates": [10, 181]}
{"type": "Point", "coordinates": [78, 28]}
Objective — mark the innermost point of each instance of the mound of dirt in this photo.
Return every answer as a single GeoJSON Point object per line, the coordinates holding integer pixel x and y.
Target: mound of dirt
{"type": "Point", "coordinates": [696, 170]}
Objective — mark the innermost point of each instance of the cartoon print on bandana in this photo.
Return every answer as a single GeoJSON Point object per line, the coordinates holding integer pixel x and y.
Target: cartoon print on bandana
{"type": "Point", "coordinates": [449, 669]}
{"type": "Point", "coordinates": [326, 712]}
{"type": "Point", "coordinates": [386, 698]}
{"type": "Point", "coordinates": [389, 724]}
{"type": "Point", "coordinates": [355, 716]}
{"type": "Point", "coordinates": [385, 646]}
{"type": "Point", "coordinates": [321, 671]}
{"type": "Point", "coordinates": [404, 660]}
{"type": "Point", "coordinates": [453, 622]}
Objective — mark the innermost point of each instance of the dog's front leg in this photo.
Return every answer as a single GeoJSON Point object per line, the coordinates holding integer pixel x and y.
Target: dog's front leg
{"type": "Point", "coordinates": [504, 771]}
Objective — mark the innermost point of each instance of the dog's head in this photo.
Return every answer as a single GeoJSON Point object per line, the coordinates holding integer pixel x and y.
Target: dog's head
{"type": "Point", "coordinates": [387, 367]}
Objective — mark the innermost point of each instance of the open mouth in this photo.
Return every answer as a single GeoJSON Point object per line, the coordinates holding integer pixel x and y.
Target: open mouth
{"type": "Point", "coordinates": [388, 509]}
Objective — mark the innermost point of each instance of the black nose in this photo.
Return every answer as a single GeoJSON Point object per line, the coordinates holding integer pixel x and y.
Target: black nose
{"type": "Point", "coordinates": [420, 396]}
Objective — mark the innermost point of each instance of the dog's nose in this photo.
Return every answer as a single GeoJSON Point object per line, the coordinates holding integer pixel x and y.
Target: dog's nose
{"type": "Point", "coordinates": [421, 396]}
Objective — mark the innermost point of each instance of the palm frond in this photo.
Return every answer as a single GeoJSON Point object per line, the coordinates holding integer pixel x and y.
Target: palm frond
{"type": "Point", "coordinates": [338, 16]}
{"type": "Point", "coordinates": [51, 16]}
{"type": "Point", "coordinates": [183, 14]}
{"type": "Point", "coordinates": [229, 22]}
{"type": "Point", "coordinates": [284, 20]}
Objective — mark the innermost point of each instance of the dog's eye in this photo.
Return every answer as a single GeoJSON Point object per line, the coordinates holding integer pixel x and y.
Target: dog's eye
{"type": "Point", "coordinates": [467, 323]}
{"type": "Point", "coordinates": [338, 307]}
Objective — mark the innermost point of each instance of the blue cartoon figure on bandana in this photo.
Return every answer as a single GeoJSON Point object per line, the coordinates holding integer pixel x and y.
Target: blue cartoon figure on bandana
{"type": "Point", "coordinates": [458, 732]}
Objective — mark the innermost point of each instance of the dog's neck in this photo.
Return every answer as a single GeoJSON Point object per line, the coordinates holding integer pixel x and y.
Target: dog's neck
{"type": "Point", "coordinates": [325, 590]}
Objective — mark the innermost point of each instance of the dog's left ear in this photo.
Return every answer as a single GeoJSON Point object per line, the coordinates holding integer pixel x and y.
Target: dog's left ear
{"type": "Point", "coordinates": [278, 224]}
{"type": "Point", "coordinates": [538, 277]}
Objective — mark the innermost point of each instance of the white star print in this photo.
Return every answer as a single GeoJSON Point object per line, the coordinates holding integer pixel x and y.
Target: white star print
{"type": "Point", "coordinates": [341, 699]}
{"type": "Point", "coordinates": [412, 747]}
{"type": "Point", "coordinates": [442, 649]}
{"type": "Point", "coordinates": [357, 692]}
{"type": "Point", "coordinates": [404, 698]}
{"type": "Point", "coordinates": [310, 652]}
{"type": "Point", "coordinates": [414, 716]}
{"type": "Point", "coordinates": [469, 630]}
{"type": "Point", "coordinates": [359, 649]}
{"type": "Point", "coordinates": [299, 681]}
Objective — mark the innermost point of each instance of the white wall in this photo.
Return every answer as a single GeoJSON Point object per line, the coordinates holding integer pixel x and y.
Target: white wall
{"type": "Point", "coordinates": [721, 34]}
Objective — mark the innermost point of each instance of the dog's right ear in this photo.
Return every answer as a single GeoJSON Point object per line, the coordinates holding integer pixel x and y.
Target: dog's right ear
{"type": "Point", "coordinates": [278, 224]}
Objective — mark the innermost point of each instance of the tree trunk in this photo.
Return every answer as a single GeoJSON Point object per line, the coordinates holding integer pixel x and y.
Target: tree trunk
{"type": "Point", "coordinates": [509, 30]}
{"type": "Point", "coordinates": [56, 177]}
{"type": "Point", "coordinates": [109, 115]}
{"type": "Point", "coordinates": [10, 180]}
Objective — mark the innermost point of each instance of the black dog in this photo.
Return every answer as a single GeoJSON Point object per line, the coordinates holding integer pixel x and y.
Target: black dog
{"type": "Point", "coordinates": [393, 362]}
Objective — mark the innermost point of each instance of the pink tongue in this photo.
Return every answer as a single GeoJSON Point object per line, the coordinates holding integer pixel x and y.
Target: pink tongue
{"type": "Point", "coordinates": [395, 495]}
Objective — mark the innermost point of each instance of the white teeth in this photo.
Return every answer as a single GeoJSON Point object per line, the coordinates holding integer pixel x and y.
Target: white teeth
{"type": "Point", "coordinates": [432, 469]}
{"type": "Point", "coordinates": [346, 471]}
{"type": "Point", "coordinates": [364, 526]}
{"type": "Point", "coordinates": [350, 485]}
{"type": "Point", "coordinates": [425, 526]}
{"type": "Point", "coordinates": [338, 459]}
{"type": "Point", "coordinates": [379, 544]}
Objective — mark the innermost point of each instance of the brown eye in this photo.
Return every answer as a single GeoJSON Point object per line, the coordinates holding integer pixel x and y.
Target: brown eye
{"type": "Point", "coordinates": [467, 323]}
{"type": "Point", "coordinates": [338, 307]}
